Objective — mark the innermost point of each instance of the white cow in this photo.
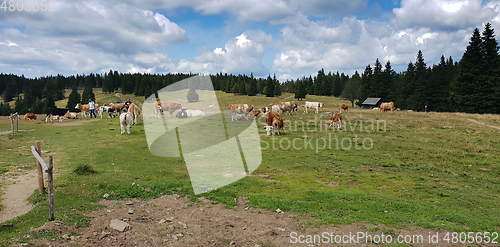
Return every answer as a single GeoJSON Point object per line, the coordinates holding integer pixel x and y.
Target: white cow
{"type": "Point", "coordinates": [195, 113]}
{"type": "Point", "coordinates": [313, 105]}
{"type": "Point", "coordinates": [125, 121]}
{"type": "Point", "coordinates": [238, 109]}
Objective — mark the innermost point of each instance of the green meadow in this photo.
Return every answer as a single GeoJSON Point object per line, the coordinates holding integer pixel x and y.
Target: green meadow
{"type": "Point", "coordinates": [433, 170]}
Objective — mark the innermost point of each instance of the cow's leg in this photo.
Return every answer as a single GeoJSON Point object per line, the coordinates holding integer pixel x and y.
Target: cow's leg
{"type": "Point", "coordinates": [122, 128]}
{"type": "Point", "coordinates": [128, 127]}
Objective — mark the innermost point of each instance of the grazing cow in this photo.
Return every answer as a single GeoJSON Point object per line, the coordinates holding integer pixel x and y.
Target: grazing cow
{"type": "Point", "coordinates": [195, 113]}
{"type": "Point", "coordinates": [29, 116]}
{"type": "Point", "coordinates": [85, 108]}
{"type": "Point", "coordinates": [244, 109]}
{"type": "Point", "coordinates": [387, 106]}
{"type": "Point", "coordinates": [166, 106]}
{"type": "Point", "coordinates": [275, 108]}
{"type": "Point", "coordinates": [313, 105]}
{"type": "Point", "coordinates": [295, 108]}
{"type": "Point", "coordinates": [54, 111]}
{"type": "Point", "coordinates": [337, 119]}
{"type": "Point", "coordinates": [15, 116]}
{"type": "Point", "coordinates": [256, 112]}
{"type": "Point", "coordinates": [269, 120]}
{"type": "Point", "coordinates": [277, 125]}
{"type": "Point", "coordinates": [286, 107]}
{"type": "Point", "coordinates": [135, 111]}
{"type": "Point", "coordinates": [344, 107]}
{"type": "Point", "coordinates": [125, 122]}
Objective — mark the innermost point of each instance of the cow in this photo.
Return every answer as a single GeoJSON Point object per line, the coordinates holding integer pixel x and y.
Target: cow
{"type": "Point", "coordinates": [166, 106]}
{"type": "Point", "coordinates": [314, 105]}
{"type": "Point", "coordinates": [257, 112]}
{"type": "Point", "coordinates": [29, 116]}
{"type": "Point", "coordinates": [195, 113]}
{"type": "Point", "coordinates": [387, 106]}
{"type": "Point", "coordinates": [54, 111]}
{"type": "Point", "coordinates": [275, 108]}
{"type": "Point", "coordinates": [244, 109]}
{"type": "Point", "coordinates": [125, 122]}
{"type": "Point", "coordinates": [116, 108]}
{"type": "Point", "coordinates": [398, 109]}
{"type": "Point", "coordinates": [14, 116]}
{"type": "Point", "coordinates": [344, 107]}
{"type": "Point", "coordinates": [269, 120]}
{"type": "Point", "coordinates": [337, 119]}
{"type": "Point", "coordinates": [286, 107]}
{"type": "Point", "coordinates": [107, 109]}
{"type": "Point", "coordinates": [295, 108]}
{"type": "Point", "coordinates": [70, 115]}
{"type": "Point", "coordinates": [135, 111]}
{"type": "Point", "coordinates": [277, 125]}
{"type": "Point", "coordinates": [57, 117]}
{"type": "Point", "coordinates": [85, 109]}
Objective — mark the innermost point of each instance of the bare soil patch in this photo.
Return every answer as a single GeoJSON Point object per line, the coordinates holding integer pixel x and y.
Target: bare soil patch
{"type": "Point", "coordinates": [75, 123]}
{"type": "Point", "coordinates": [176, 221]}
{"type": "Point", "coordinates": [7, 132]}
{"type": "Point", "coordinates": [14, 200]}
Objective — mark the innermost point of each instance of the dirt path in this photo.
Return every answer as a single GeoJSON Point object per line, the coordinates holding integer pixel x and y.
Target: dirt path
{"type": "Point", "coordinates": [14, 200]}
{"type": "Point", "coordinates": [7, 132]}
{"type": "Point", "coordinates": [75, 123]}
{"type": "Point", "coordinates": [491, 126]}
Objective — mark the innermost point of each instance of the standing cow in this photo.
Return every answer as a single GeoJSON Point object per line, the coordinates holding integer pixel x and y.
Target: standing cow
{"type": "Point", "coordinates": [241, 109]}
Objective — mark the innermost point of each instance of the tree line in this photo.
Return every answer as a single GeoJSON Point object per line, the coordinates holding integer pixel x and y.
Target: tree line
{"type": "Point", "coordinates": [470, 85]}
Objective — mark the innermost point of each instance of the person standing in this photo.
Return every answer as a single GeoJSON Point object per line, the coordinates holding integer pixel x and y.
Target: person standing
{"type": "Point", "coordinates": [92, 108]}
{"type": "Point", "coordinates": [127, 103]}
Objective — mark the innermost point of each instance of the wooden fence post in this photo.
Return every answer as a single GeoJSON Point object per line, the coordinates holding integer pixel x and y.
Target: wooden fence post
{"type": "Point", "coordinates": [12, 123]}
{"type": "Point", "coordinates": [17, 122]}
{"type": "Point", "coordinates": [50, 185]}
{"type": "Point", "coordinates": [41, 187]}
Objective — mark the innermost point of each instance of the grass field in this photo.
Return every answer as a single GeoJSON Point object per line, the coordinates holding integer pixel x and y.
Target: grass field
{"type": "Point", "coordinates": [434, 170]}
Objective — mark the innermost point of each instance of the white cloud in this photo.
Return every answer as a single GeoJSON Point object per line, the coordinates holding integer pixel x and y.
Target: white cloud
{"type": "Point", "coordinates": [240, 55]}
{"type": "Point", "coordinates": [448, 15]}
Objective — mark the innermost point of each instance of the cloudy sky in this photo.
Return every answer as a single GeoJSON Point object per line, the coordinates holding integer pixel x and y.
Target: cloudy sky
{"type": "Point", "coordinates": [289, 38]}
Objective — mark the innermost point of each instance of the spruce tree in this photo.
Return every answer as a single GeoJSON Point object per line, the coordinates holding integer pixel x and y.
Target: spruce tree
{"type": "Point", "coordinates": [269, 87]}
{"type": "Point", "coordinates": [490, 88]}
{"type": "Point", "coordinates": [300, 92]}
{"type": "Point", "coordinates": [464, 94]}
{"type": "Point", "coordinates": [352, 88]}
{"type": "Point", "coordinates": [73, 98]}
{"type": "Point", "coordinates": [192, 95]}
{"type": "Point", "coordinates": [419, 98]}
{"type": "Point", "coordinates": [87, 93]}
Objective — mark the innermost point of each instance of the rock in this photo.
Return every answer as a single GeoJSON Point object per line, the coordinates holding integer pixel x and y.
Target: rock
{"type": "Point", "coordinates": [104, 234]}
{"type": "Point", "coordinates": [65, 237]}
{"type": "Point", "coordinates": [183, 225]}
{"type": "Point", "coordinates": [279, 211]}
{"type": "Point", "coordinates": [175, 237]}
{"type": "Point", "coordinates": [257, 245]}
{"type": "Point", "coordinates": [247, 207]}
{"type": "Point", "coordinates": [119, 225]}
{"type": "Point", "coordinates": [130, 211]}
{"type": "Point", "coordinates": [162, 221]}
{"type": "Point", "coordinates": [129, 203]}
{"type": "Point", "coordinates": [171, 219]}
{"type": "Point", "coordinates": [180, 235]}
{"type": "Point", "coordinates": [105, 196]}
{"type": "Point", "coordinates": [232, 243]}
{"type": "Point", "coordinates": [281, 229]}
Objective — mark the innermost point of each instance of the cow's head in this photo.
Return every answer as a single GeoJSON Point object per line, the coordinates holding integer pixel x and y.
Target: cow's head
{"type": "Point", "coordinates": [269, 130]}
{"type": "Point", "coordinates": [77, 106]}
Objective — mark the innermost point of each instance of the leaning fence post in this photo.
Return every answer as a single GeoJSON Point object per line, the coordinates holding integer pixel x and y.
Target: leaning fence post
{"type": "Point", "coordinates": [17, 122]}
{"type": "Point", "coordinates": [50, 185]}
{"type": "Point", "coordinates": [41, 188]}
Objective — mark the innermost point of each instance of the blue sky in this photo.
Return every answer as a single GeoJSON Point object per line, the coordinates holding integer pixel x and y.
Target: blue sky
{"type": "Point", "coordinates": [289, 38]}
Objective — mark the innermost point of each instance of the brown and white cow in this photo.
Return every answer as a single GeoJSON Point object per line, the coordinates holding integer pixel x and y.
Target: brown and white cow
{"type": "Point", "coordinates": [29, 116]}
{"type": "Point", "coordinates": [337, 119]}
{"type": "Point", "coordinates": [166, 106]}
{"type": "Point", "coordinates": [286, 107]}
{"type": "Point", "coordinates": [344, 107]}
{"type": "Point", "coordinates": [277, 125]}
{"type": "Point", "coordinates": [243, 109]}
{"type": "Point", "coordinates": [135, 111]}
{"type": "Point", "coordinates": [313, 105]}
{"type": "Point", "coordinates": [269, 120]}
{"type": "Point", "coordinates": [85, 108]}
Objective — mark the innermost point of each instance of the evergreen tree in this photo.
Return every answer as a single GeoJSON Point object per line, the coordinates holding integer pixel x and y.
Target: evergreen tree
{"type": "Point", "coordinates": [352, 88]}
{"type": "Point", "coordinates": [465, 95]}
{"type": "Point", "coordinates": [300, 92]}
{"type": "Point", "coordinates": [192, 95]}
{"type": "Point", "coordinates": [147, 92]}
{"type": "Point", "coordinates": [490, 79]}
{"type": "Point", "coordinates": [88, 93]}
{"type": "Point", "coordinates": [366, 84]}
{"type": "Point", "coordinates": [419, 98]}
{"type": "Point", "coordinates": [270, 87]}
{"type": "Point", "coordinates": [252, 87]}
{"type": "Point", "coordinates": [73, 98]}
